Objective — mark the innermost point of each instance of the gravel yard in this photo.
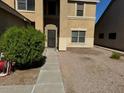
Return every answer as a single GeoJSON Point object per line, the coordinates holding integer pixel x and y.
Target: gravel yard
{"type": "Point", "coordinates": [91, 71]}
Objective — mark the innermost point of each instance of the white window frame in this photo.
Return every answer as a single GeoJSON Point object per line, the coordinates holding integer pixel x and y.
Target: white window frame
{"type": "Point", "coordinates": [84, 9]}
{"type": "Point", "coordinates": [78, 30]}
{"type": "Point", "coordinates": [22, 9]}
{"type": "Point", "coordinates": [84, 17]}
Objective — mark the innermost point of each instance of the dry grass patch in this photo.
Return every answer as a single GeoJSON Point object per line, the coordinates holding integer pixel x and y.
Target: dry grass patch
{"type": "Point", "coordinates": [21, 77]}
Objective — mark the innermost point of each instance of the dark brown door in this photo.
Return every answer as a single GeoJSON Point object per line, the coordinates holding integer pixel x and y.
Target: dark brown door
{"type": "Point", "coordinates": [51, 38]}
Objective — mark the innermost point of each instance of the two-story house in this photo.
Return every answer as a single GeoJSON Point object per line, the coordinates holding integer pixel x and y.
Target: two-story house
{"type": "Point", "coordinates": [66, 23]}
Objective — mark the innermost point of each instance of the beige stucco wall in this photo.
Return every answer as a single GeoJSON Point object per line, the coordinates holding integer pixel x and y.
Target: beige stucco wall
{"type": "Point", "coordinates": [11, 3]}
{"type": "Point", "coordinates": [112, 22]}
{"type": "Point", "coordinates": [39, 14]}
{"type": "Point", "coordinates": [7, 20]}
{"type": "Point", "coordinates": [90, 10]}
{"type": "Point", "coordinates": [30, 15]}
{"type": "Point", "coordinates": [63, 24]}
{"type": "Point", "coordinates": [71, 8]}
{"type": "Point", "coordinates": [71, 21]}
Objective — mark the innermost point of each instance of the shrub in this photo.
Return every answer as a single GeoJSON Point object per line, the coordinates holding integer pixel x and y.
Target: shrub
{"type": "Point", "coordinates": [22, 45]}
{"type": "Point", "coordinates": [115, 55]}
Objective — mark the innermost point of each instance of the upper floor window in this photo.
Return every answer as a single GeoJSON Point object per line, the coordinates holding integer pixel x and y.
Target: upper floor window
{"type": "Point", "coordinates": [80, 8]}
{"type": "Point", "coordinates": [26, 5]}
{"type": "Point", "coordinates": [78, 36]}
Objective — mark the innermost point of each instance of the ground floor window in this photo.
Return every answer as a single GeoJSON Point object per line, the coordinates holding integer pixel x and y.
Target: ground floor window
{"type": "Point", "coordinates": [101, 36]}
{"type": "Point", "coordinates": [112, 35]}
{"type": "Point", "coordinates": [78, 36]}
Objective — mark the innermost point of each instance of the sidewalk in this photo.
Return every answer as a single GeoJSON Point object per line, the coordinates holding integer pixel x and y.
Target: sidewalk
{"type": "Point", "coordinates": [49, 80]}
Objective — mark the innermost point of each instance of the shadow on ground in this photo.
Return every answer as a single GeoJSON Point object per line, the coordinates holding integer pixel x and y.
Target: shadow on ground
{"type": "Point", "coordinates": [34, 64]}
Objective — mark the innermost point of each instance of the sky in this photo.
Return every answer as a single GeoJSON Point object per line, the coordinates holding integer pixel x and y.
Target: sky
{"type": "Point", "coordinates": [101, 7]}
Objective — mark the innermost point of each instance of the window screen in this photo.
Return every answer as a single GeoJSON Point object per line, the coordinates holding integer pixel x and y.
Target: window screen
{"type": "Point", "coordinates": [26, 5]}
{"type": "Point", "coordinates": [80, 8]}
{"type": "Point", "coordinates": [78, 36]}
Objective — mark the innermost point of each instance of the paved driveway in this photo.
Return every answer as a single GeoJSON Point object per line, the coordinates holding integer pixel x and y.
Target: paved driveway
{"type": "Point", "coordinates": [91, 71]}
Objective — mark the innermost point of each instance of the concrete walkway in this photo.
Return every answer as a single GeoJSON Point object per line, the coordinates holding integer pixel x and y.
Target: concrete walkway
{"type": "Point", "coordinates": [49, 80]}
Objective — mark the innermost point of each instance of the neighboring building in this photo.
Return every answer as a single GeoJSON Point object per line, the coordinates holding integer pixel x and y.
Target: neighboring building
{"type": "Point", "coordinates": [110, 28]}
{"type": "Point", "coordinates": [10, 17]}
{"type": "Point", "coordinates": [66, 23]}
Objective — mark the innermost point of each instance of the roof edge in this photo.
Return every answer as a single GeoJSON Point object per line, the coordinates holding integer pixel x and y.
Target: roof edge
{"type": "Point", "coordinates": [13, 11]}
{"type": "Point", "coordinates": [108, 7]}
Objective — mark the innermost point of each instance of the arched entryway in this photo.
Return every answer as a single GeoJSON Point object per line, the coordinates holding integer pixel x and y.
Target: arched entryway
{"type": "Point", "coordinates": [51, 35]}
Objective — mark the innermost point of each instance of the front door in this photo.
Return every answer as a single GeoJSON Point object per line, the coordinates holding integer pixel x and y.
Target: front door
{"type": "Point", "coordinates": [51, 38]}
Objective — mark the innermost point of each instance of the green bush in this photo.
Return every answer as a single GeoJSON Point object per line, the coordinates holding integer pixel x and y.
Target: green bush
{"type": "Point", "coordinates": [115, 55]}
{"type": "Point", "coordinates": [22, 45]}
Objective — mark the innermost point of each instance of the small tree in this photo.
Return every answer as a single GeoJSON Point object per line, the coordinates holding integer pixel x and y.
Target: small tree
{"type": "Point", "coordinates": [22, 45]}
